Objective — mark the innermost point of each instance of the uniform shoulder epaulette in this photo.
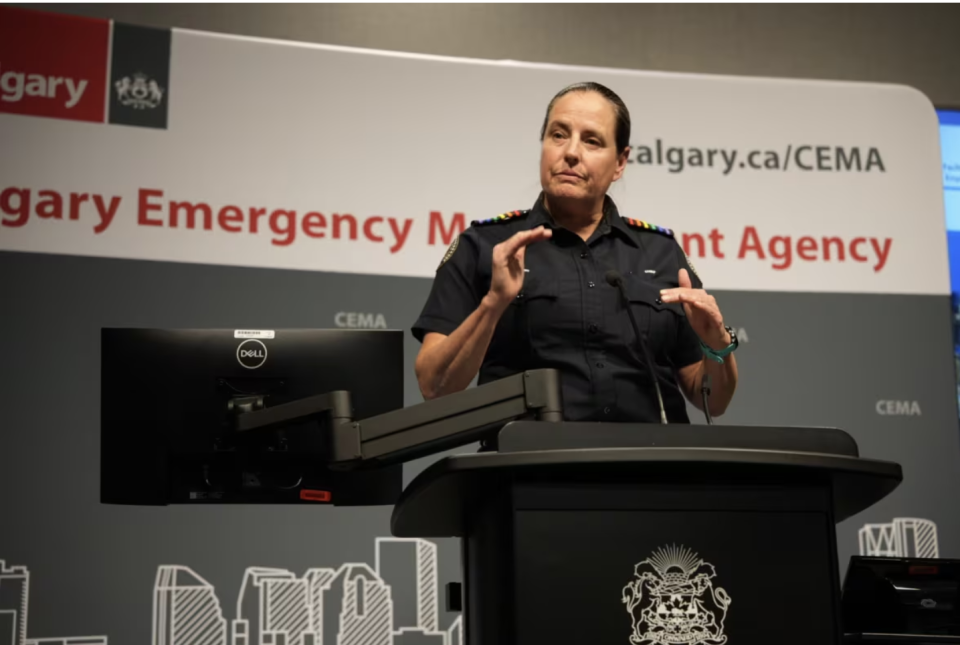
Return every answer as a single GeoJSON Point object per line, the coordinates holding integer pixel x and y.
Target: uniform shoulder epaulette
{"type": "Point", "coordinates": [500, 219]}
{"type": "Point", "coordinates": [636, 223]}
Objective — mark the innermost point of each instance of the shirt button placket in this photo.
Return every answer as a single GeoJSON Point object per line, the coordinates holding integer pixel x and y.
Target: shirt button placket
{"type": "Point", "coordinates": [593, 310]}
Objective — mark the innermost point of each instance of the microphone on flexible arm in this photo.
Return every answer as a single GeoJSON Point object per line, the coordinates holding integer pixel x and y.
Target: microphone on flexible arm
{"type": "Point", "coordinates": [705, 393]}
{"type": "Point", "coordinates": [614, 279]}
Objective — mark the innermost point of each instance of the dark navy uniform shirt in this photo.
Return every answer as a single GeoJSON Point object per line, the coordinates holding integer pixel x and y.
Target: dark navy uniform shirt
{"type": "Point", "coordinates": [568, 317]}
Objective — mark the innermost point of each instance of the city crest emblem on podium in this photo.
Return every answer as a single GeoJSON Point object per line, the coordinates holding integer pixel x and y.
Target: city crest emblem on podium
{"type": "Point", "coordinates": [672, 600]}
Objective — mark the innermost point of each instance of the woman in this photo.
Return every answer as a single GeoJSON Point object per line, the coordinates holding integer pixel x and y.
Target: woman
{"type": "Point", "coordinates": [529, 289]}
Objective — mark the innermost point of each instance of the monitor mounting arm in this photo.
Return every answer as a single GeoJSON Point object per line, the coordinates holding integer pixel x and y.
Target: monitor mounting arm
{"type": "Point", "coordinates": [426, 428]}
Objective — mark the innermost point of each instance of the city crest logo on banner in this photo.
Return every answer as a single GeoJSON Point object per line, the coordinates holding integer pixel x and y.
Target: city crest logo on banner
{"type": "Point", "coordinates": [673, 600]}
{"type": "Point", "coordinates": [140, 93]}
{"type": "Point", "coordinates": [140, 76]}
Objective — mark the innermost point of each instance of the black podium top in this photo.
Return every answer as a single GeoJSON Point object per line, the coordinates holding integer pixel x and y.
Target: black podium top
{"type": "Point", "coordinates": [436, 501]}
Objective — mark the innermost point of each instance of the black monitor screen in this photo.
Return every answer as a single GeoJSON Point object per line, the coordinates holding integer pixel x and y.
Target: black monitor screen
{"type": "Point", "coordinates": [905, 597]}
{"type": "Point", "coordinates": [170, 398]}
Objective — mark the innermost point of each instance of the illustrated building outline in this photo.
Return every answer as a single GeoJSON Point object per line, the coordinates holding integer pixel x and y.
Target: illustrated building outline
{"type": "Point", "coordinates": [14, 599]}
{"type": "Point", "coordinates": [14, 612]}
{"type": "Point", "coordinates": [272, 606]}
{"type": "Point", "coordinates": [275, 607]}
{"type": "Point", "coordinates": [904, 537]}
{"type": "Point", "coordinates": [425, 618]}
{"type": "Point", "coordinates": [351, 605]}
{"type": "Point", "coordinates": [186, 610]}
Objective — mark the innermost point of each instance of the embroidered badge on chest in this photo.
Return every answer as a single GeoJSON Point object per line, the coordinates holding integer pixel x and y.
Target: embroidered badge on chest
{"type": "Point", "coordinates": [692, 268]}
{"type": "Point", "coordinates": [450, 251]}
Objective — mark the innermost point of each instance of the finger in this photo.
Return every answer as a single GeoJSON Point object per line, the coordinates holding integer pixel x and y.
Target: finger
{"type": "Point", "coordinates": [510, 246]}
{"type": "Point", "coordinates": [685, 279]}
{"type": "Point", "coordinates": [698, 302]}
{"type": "Point", "coordinates": [675, 295]}
{"type": "Point", "coordinates": [694, 299]}
{"type": "Point", "coordinates": [524, 238]}
{"type": "Point", "coordinates": [536, 235]}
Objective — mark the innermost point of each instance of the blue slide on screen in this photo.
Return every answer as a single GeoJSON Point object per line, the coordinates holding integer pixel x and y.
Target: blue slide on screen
{"type": "Point", "coordinates": [950, 152]}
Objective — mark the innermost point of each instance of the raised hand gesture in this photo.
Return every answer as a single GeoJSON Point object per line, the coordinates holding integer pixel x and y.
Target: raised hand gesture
{"type": "Point", "coordinates": [508, 264]}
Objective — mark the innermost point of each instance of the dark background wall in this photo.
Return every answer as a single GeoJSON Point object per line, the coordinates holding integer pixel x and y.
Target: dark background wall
{"type": "Point", "coordinates": [915, 45]}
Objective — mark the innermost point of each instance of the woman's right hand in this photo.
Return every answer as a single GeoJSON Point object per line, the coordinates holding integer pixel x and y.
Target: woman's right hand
{"type": "Point", "coordinates": [507, 275]}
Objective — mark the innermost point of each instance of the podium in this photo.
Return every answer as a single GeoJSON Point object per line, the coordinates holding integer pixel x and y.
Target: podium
{"type": "Point", "coordinates": [604, 534]}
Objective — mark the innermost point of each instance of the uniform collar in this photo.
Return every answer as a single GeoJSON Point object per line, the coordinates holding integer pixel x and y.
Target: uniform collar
{"type": "Point", "coordinates": [612, 221]}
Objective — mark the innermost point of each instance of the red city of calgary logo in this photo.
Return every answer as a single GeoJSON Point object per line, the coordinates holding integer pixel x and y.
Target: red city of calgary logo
{"type": "Point", "coordinates": [15, 86]}
{"type": "Point", "coordinates": [53, 65]}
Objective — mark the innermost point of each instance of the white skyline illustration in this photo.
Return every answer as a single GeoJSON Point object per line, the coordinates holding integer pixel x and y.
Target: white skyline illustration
{"type": "Point", "coordinates": [186, 610]}
{"type": "Point", "coordinates": [904, 537]}
{"type": "Point", "coordinates": [14, 612]}
{"type": "Point", "coordinates": [353, 604]}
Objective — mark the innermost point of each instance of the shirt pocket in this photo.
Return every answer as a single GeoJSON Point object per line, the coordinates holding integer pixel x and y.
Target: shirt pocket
{"type": "Point", "coordinates": [536, 312]}
{"type": "Point", "coordinates": [657, 320]}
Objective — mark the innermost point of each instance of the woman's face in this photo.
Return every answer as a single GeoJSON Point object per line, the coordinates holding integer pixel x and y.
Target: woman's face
{"type": "Point", "coordinates": [579, 157]}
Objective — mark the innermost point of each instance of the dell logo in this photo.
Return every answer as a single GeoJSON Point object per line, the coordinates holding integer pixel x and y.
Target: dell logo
{"type": "Point", "coordinates": [252, 354]}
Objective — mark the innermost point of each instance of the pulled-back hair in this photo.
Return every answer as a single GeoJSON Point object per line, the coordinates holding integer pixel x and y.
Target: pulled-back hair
{"type": "Point", "coordinates": [622, 133]}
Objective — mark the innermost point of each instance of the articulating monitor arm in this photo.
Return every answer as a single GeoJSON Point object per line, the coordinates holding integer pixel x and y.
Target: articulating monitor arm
{"type": "Point", "coordinates": [334, 407]}
{"type": "Point", "coordinates": [429, 427]}
{"type": "Point", "coordinates": [461, 418]}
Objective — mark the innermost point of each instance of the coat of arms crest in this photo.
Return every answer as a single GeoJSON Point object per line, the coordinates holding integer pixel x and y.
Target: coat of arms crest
{"type": "Point", "coordinates": [140, 92]}
{"type": "Point", "coordinates": [673, 600]}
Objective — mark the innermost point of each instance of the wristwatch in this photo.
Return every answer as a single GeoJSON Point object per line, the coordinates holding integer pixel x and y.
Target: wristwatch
{"type": "Point", "coordinates": [717, 355]}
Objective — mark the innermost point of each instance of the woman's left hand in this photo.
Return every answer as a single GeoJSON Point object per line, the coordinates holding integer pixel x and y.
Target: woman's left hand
{"type": "Point", "coordinates": [702, 311]}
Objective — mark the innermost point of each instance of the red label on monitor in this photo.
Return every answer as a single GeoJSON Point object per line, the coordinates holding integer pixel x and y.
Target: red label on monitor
{"type": "Point", "coordinates": [315, 495]}
{"type": "Point", "coordinates": [923, 570]}
{"type": "Point", "coordinates": [53, 65]}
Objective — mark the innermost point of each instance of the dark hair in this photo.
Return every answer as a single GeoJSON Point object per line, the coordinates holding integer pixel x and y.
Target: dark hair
{"type": "Point", "coordinates": [620, 110]}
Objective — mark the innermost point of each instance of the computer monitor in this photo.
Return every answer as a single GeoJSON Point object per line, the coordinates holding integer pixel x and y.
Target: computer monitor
{"type": "Point", "coordinates": [950, 156]}
{"type": "Point", "coordinates": [171, 400]}
{"type": "Point", "coordinates": [903, 600]}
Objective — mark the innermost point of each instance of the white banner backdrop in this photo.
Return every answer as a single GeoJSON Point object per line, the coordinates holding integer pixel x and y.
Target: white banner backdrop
{"type": "Point", "coordinates": [330, 159]}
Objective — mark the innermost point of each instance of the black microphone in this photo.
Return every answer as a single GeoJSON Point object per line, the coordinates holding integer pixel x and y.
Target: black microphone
{"type": "Point", "coordinates": [614, 279]}
{"type": "Point", "coordinates": [705, 393]}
